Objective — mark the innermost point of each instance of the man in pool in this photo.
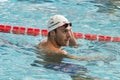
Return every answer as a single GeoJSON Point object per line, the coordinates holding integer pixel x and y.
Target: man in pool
{"type": "Point", "coordinates": [60, 34]}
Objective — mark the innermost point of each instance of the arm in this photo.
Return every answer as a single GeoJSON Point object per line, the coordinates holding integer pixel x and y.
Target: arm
{"type": "Point", "coordinates": [85, 58]}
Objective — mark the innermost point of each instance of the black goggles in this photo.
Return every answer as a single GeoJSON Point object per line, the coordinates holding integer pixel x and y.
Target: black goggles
{"type": "Point", "coordinates": [67, 24]}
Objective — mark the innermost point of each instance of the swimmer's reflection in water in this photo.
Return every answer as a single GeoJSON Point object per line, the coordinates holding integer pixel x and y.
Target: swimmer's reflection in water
{"type": "Point", "coordinates": [60, 34]}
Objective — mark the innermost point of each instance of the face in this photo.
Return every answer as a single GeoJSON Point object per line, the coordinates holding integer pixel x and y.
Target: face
{"type": "Point", "coordinates": [62, 35]}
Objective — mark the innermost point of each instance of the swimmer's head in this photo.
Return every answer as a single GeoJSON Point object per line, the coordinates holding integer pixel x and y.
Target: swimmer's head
{"type": "Point", "coordinates": [58, 21]}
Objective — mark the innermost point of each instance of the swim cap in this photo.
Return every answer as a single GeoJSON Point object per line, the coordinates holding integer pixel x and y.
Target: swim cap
{"type": "Point", "coordinates": [56, 21]}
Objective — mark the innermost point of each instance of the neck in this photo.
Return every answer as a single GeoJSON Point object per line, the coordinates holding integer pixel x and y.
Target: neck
{"type": "Point", "coordinates": [53, 42]}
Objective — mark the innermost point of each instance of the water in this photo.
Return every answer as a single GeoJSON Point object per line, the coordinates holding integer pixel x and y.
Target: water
{"type": "Point", "coordinates": [17, 52]}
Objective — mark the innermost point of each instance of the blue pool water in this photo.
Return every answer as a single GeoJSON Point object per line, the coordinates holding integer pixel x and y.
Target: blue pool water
{"type": "Point", "coordinates": [17, 52]}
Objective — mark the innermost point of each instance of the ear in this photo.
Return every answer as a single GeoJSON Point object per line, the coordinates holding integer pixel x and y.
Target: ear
{"type": "Point", "coordinates": [52, 33]}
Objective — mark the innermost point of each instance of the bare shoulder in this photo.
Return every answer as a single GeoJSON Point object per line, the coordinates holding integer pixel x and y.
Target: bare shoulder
{"type": "Point", "coordinates": [42, 43]}
{"type": "Point", "coordinates": [48, 48]}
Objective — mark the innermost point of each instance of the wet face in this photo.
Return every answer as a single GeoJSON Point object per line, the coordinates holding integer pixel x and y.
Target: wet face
{"type": "Point", "coordinates": [62, 35]}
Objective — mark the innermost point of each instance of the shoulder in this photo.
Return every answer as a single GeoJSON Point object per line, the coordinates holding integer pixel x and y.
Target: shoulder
{"type": "Point", "coordinates": [42, 43]}
{"type": "Point", "coordinates": [46, 47]}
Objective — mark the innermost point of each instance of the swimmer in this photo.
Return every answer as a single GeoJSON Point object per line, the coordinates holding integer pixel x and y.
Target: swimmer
{"type": "Point", "coordinates": [59, 34]}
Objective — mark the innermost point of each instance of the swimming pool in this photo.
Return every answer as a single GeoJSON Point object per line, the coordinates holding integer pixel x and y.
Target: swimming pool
{"type": "Point", "coordinates": [17, 52]}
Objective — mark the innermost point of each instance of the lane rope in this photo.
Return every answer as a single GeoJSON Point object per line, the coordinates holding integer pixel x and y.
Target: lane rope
{"type": "Point", "coordinates": [44, 32]}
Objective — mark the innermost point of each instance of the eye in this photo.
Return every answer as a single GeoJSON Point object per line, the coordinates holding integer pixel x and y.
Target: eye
{"type": "Point", "coordinates": [65, 31]}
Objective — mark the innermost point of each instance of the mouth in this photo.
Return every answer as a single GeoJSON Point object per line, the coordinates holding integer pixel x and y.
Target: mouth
{"type": "Point", "coordinates": [67, 40]}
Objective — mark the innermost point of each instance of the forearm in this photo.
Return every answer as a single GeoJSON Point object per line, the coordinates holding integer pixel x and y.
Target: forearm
{"type": "Point", "coordinates": [86, 58]}
{"type": "Point", "coordinates": [82, 58]}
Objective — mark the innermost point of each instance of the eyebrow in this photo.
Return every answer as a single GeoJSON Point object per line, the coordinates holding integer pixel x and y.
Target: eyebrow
{"type": "Point", "coordinates": [64, 29]}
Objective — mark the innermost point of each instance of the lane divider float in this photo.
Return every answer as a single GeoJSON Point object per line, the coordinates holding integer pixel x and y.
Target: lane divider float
{"type": "Point", "coordinates": [44, 32]}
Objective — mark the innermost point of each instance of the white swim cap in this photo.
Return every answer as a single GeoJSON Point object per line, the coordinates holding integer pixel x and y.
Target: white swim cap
{"type": "Point", "coordinates": [56, 21]}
